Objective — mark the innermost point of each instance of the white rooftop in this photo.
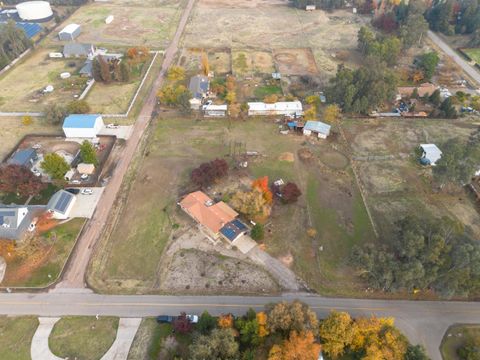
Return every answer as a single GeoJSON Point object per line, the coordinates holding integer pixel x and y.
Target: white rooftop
{"type": "Point", "coordinates": [213, 107]}
{"type": "Point", "coordinates": [70, 28]}
{"type": "Point", "coordinates": [431, 152]}
{"type": "Point", "coordinates": [278, 106]}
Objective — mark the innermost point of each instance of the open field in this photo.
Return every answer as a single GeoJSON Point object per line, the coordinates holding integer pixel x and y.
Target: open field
{"type": "Point", "coordinates": [40, 260]}
{"type": "Point", "coordinates": [455, 337]}
{"type": "Point", "coordinates": [83, 337]}
{"type": "Point", "coordinates": [129, 260]}
{"type": "Point", "coordinates": [262, 25]}
{"type": "Point", "coordinates": [247, 62]}
{"type": "Point", "coordinates": [16, 337]}
{"type": "Point", "coordinates": [152, 24]}
{"type": "Point", "coordinates": [13, 131]}
{"type": "Point", "coordinates": [111, 98]}
{"type": "Point", "coordinates": [21, 87]}
{"type": "Point", "coordinates": [399, 185]}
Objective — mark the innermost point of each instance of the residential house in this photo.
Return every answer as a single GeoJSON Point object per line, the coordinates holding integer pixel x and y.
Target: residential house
{"type": "Point", "coordinates": [422, 90]}
{"type": "Point", "coordinates": [216, 220]}
{"type": "Point", "coordinates": [430, 154]}
{"type": "Point", "coordinates": [317, 127]}
{"type": "Point", "coordinates": [290, 108]}
{"type": "Point", "coordinates": [14, 221]}
{"type": "Point", "coordinates": [199, 86]}
{"type": "Point", "coordinates": [82, 125]}
{"type": "Point", "coordinates": [60, 204]}
{"type": "Point", "coordinates": [212, 110]}
{"type": "Point", "coordinates": [87, 169]}
{"type": "Point", "coordinates": [77, 50]}
{"type": "Point", "coordinates": [24, 157]}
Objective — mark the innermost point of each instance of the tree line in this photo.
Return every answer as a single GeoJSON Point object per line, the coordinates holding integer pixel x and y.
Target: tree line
{"type": "Point", "coordinates": [286, 331]}
{"type": "Point", "coordinates": [13, 42]}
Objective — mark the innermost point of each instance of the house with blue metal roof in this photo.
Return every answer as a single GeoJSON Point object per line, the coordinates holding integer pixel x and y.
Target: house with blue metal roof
{"type": "Point", "coordinates": [24, 157]}
{"type": "Point", "coordinates": [317, 127]}
{"type": "Point", "coordinates": [82, 125]}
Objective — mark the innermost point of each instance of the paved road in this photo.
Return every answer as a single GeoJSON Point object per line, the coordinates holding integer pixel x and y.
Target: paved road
{"type": "Point", "coordinates": [74, 276]}
{"type": "Point", "coordinates": [422, 322]}
{"type": "Point", "coordinates": [467, 68]}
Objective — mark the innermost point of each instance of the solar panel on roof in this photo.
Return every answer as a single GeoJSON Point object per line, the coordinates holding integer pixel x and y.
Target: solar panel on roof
{"type": "Point", "coordinates": [7, 213]}
{"type": "Point", "coordinates": [229, 233]}
{"type": "Point", "coordinates": [63, 202]}
{"type": "Point", "coordinates": [239, 224]}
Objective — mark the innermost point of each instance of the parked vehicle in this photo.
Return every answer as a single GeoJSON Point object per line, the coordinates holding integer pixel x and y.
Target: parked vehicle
{"type": "Point", "coordinates": [75, 182]}
{"type": "Point", "coordinates": [84, 176]}
{"type": "Point", "coordinates": [32, 225]}
{"type": "Point", "coordinates": [73, 191]}
{"type": "Point", "coordinates": [112, 126]}
{"type": "Point", "coordinates": [193, 318]}
{"type": "Point", "coordinates": [165, 319]}
{"type": "Point", "coordinates": [87, 191]}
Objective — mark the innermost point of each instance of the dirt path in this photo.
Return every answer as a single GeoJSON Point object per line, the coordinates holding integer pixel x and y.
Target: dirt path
{"type": "Point", "coordinates": [74, 276]}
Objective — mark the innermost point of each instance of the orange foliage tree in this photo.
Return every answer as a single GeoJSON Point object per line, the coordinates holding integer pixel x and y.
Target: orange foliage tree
{"type": "Point", "coordinates": [299, 346]}
{"type": "Point", "coordinates": [262, 185]}
{"type": "Point", "coordinates": [225, 321]}
{"type": "Point", "coordinates": [262, 324]}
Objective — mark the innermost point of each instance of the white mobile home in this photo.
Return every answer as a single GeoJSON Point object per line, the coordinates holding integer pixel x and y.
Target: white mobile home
{"type": "Point", "coordinates": [291, 108]}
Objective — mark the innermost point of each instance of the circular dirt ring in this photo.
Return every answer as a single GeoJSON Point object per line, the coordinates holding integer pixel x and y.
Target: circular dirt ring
{"type": "Point", "coordinates": [286, 58]}
{"type": "Point", "coordinates": [334, 160]}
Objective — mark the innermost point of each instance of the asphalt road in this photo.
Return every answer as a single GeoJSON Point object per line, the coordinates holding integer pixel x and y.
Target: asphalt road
{"type": "Point", "coordinates": [466, 67]}
{"type": "Point", "coordinates": [423, 322]}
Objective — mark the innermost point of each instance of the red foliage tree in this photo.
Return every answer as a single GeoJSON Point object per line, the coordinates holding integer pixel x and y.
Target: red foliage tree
{"type": "Point", "coordinates": [386, 22]}
{"type": "Point", "coordinates": [207, 173]}
{"type": "Point", "coordinates": [290, 193]}
{"type": "Point", "coordinates": [182, 324]}
{"type": "Point", "coordinates": [18, 179]}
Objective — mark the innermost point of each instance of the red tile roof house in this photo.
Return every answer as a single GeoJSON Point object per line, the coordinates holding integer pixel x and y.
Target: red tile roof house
{"type": "Point", "coordinates": [216, 220]}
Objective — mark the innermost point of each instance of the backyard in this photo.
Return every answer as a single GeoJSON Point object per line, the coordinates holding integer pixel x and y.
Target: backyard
{"type": "Point", "coordinates": [16, 335]}
{"type": "Point", "coordinates": [83, 337]}
{"type": "Point", "coordinates": [130, 258]}
{"type": "Point", "coordinates": [39, 261]}
{"type": "Point", "coordinates": [473, 53]}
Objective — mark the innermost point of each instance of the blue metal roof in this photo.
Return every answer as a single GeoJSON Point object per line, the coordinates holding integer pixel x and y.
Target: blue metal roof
{"type": "Point", "coordinates": [317, 126]}
{"type": "Point", "coordinates": [84, 121]}
{"type": "Point", "coordinates": [23, 157]}
{"type": "Point", "coordinates": [31, 29]}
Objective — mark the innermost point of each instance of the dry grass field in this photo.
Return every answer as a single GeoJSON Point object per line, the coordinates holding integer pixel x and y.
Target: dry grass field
{"type": "Point", "coordinates": [149, 24]}
{"type": "Point", "coordinates": [247, 62]}
{"type": "Point", "coordinates": [400, 185]}
{"type": "Point", "coordinates": [262, 25]}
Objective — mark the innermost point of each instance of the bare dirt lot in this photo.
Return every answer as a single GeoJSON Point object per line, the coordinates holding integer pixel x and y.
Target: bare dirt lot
{"type": "Point", "coordinates": [247, 62]}
{"type": "Point", "coordinates": [295, 61]}
{"type": "Point", "coordinates": [201, 272]}
{"type": "Point", "coordinates": [262, 25]}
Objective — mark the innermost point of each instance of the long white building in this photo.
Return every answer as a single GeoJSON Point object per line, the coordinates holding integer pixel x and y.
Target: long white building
{"type": "Point", "coordinates": [292, 108]}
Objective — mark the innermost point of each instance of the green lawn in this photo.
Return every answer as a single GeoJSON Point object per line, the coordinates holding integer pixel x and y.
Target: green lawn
{"type": "Point", "coordinates": [460, 334]}
{"type": "Point", "coordinates": [16, 337]}
{"type": "Point", "coordinates": [262, 91]}
{"type": "Point", "coordinates": [54, 247]}
{"type": "Point", "coordinates": [83, 337]}
{"type": "Point", "coordinates": [474, 54]}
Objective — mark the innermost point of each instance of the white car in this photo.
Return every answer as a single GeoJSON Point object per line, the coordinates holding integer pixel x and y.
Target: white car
{"type": "Point", "coordinates": [36, 172]}
{"type": "Point", "coordinates": [193, 318]}
{"type": "Point", "coordinates": [84, 176]}
{"type": "Point", "coordinates": [112, 126]}
{"type": "Point", "coordinates": [86, 192]}
{"type": "Point", "coordinates": [75, 182]}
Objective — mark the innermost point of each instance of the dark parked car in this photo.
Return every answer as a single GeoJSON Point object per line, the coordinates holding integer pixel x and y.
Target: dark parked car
{"type": "Point", "coordinates": [165, 319]}
{"type": "Point", "coordinates": [73, 191]}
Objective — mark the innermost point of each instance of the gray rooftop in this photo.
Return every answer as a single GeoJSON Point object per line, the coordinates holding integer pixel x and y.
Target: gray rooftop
{"type": "Point", "coordinates": [23, 157]}
{"type": "Point", "coordinates": [15, 219]}
{"type": "Point", "coordinates": [77, 49]}
{"type": "Point", "coordinates": [198, 86]}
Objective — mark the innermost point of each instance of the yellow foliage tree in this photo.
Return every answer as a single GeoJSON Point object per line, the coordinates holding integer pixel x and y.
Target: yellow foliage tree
{"type": "Point", "coordinates": [234, 110]}
{"type": "Point", "coordinates": [262, 324]}
{"type": "Point", "coordinates": [27, 120]}
{"type": "Point", "coordinates": [332, 113]}
{"type": "Point", "coordinates": [231, 97]}
{"type": "Point", "coordinates": [336, 333]}
{"type": "Point", "coordinates": [176, 73]}
{"type": "Point", "coordinates": [205, 64]}
{"type": "Point", "coordinates": [312, 100]}
{"type": "Point", "coordinates": [251, 203]}
{"type": "Point", "coordinates": [170, 94]}
{"type": "Point", "coordinates": [310, 113]}
{"type": "Point", "coordinates": [225, 321]}
{"type": "Point", "coordinates": [299, 346]}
